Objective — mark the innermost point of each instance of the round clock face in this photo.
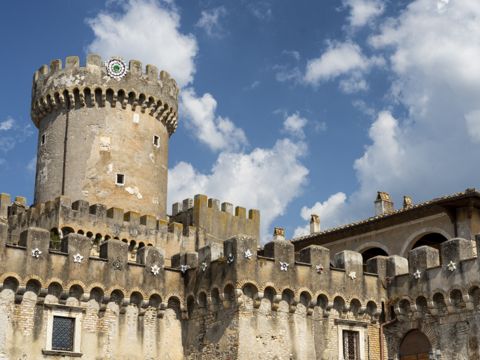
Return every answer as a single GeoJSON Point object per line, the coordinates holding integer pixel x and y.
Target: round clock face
{"type": "Point", "coordinates": [116, 68]}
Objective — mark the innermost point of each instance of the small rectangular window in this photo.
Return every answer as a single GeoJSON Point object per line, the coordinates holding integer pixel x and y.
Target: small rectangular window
{"type": "Point", "coordinates": [351, 346]}
{"type": "Point", "coordinates": [120, 180]}
{"type": "Point", "coordinates": [156, 141]}
{"type": "Point", "coordinates": [43, 139]}
{"type": "Point", "coordinates": [63, 333]}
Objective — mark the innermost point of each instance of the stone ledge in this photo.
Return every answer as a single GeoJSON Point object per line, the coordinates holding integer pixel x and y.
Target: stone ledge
{"type": "Point", "coordinates": [61, 353]}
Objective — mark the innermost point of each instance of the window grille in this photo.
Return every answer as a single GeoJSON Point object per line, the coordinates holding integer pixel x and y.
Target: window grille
{"type": "Point", "coordinates": [351, 348]}
{"type": "Point", "coordinates": [63, 333]}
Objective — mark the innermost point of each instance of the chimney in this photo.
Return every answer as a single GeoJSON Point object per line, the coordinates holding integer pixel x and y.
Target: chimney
{"type": "Point", "coordinates": [314, 223]}
{"type": "Point", "coordinates": [407, 202]}
{"type": "Point", "coordinates": [383, 204]}
{"type": "Point", "coordinates": [278, 233]}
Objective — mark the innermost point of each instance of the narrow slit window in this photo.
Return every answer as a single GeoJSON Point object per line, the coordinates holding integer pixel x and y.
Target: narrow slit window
{"type": "Point", "coordinates": [63, 333]}
{"type": "Point", "coordinates": [156, 141]}
{"type": "Point", "coordinates": [120, 180]}
{"type": "Point", "coordinates": [43, 139]}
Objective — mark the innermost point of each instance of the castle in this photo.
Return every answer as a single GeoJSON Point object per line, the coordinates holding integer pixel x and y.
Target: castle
{"type": "Point", "coordinates": [96, 268]}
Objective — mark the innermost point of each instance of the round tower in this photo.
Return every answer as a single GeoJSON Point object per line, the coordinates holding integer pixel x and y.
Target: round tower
{"type": "Point", "coordinates": [103, 133]}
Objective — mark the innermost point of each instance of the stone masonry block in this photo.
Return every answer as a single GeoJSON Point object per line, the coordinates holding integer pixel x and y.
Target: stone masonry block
{"type": "Point", "coordinates": [210, 253]}
{"type": "Point", "coordinates": [378, 265]}
{"type": "Point", "coordinates": [35, 238]}
{"type": "Point", "coordinates": [351, 261]}
{"type": "Point", "coordinates": [316, 255]}
{"type": "Point", "coordinates": [99, 210]}
{"type": "Point", "coordinates": [76, 244]}
{"type": "Point", "coordinates": [150, 256]}
{"type": "Point", "coordinates": [280, 250]}
{"type": "Point", "coordinates": [116, 214]}
{"type": "Point", "coordinates": [82, 206]}
{"type": "Point", "coordinates": [187, 258]}
{"type": "Point", "coordinates": [456, 250]}
{"type": "Point", "coordinates": [3, 234]}
{"type": "Point", "coordinates": [396, 265]}
{"type": "Point", "coordinates": [423, 257]}
{"type": "Point", "coordinates": [132, 217]}
{"type": "Point", "coordinates": [239, 245]}
{"type": "Point", "coordinates": [114, 250]}
{"type": "Point", "coordinates": [5, 202]}
{"type": "Point", "coordinates": [149, 221]}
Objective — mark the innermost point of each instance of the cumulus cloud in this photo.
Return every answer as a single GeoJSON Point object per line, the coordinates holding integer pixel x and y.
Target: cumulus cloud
{"type": "Point", "coordinates": [363, 11]}
{"type": "Point", "coordinates": [430, 150]}
{"type": "Point", "coordinates": [148, 31]}
{"type": "Point", "coordinates": [294, 125]}
{"type": "Point", "coordinates": [218, 133]}
{"type": "Point", "coordinates": [210, 21]}
{"type": "Point", "coordinates": [267, 179]}
{"type": "Point", "coordinates": [7, 124]}
{"type": "Point", "coordinates": [32, 165]}
{"type": "Point", "coordinates": [330, 213]}
{"type": "Point", "coordinates": [341, 59]}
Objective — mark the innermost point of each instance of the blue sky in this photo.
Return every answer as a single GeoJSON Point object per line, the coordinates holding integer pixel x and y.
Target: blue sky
{"type": "Point", "coordinates": [291, 107]}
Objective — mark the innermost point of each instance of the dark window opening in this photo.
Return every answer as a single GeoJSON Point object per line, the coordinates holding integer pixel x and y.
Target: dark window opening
{"type": "Point", "coordinates": [433, 240]}
{"type": "Point", "coordinates": [156, 141]}
{"type": "Point", "coordinates": [351, 348]}
{"type": "Point", "coordinates": [120, 179]}
{"type": "Point", "coordinates": [63, 333]}
{"type": "Point", "coordinates": [43, 139]}
{"type": "Point", "coordinates": [372, 252]}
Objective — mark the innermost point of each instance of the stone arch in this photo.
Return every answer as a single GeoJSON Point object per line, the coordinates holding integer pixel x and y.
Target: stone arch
{"type": "Point", "coordinates": [155, 300]}
{"type": "Point", "coordinates": [55, 289]}
{"type": "Point", "coordinates": [190, 305]}
{"type": "Point", "coordinates": [339, 304]}
{"type": "Point", "coordinates": [34, 286]}
{"type": "Point", "coordinates": [229, 293]}
{"type": "Point", "coordinates": [421, 304]}
{"type": "Point", "coordinates": [372, 249]}
{"type": "Point", "coordinates": [415, 345]}
{"type": "Point", "coordinates": [97, 294]}
{"type": "Point", "coordinates": [136, 298]}
{"type": "Point", "coordinates": [404, 306]}
{"type": "Point", "coordinates": [76, 291]}
{"type": "Point", "coordinates": [456, 299]}
{"type": "Point", "coordinates": [438, 300]}
{"type": "Point", "coordinates": [355, 306]}
{"type": "Point", "coordinates": [288, 296]}
{"type": "Point", "coordinates": [416, 236]}
{"type": "Point", "coordinates": [474, 293]}
{"type": "Point", "coordinates": [322, 301]}
{"type": "Point", "coordinates": [202, 299]}
{"type": "Point", "coordinates": [11, 282]}
{"type": "Point", "coordinates": [175, 304]}
{"type": "Point", "coordinates": [117, 296]}
{"type": "Point", "coordinates": [305, 298]}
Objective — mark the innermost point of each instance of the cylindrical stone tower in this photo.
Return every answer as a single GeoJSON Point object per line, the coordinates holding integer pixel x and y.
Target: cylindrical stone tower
{"type": "Point", "coordinates": [103, 133]}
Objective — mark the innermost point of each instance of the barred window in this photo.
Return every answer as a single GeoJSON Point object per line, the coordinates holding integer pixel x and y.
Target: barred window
{"type": "Point", "coordinates": [351, 348]}
{"type": "Point", "coordinates": [63, 333]}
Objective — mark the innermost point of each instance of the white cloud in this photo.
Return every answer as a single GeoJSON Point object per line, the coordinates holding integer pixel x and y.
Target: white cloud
{"type": "Point", "coordinates": [267, 179]}
{"type": "Point", "coordinates": [330, 213]}
{"type": "Point", "coordinates": [261, 9]}
{"type": "Point", "coordinates": [217, 132]}
{"type": "Point", "coordinates": [210, 21]}
{"type": "Point", "coordinates": [294, 124]}
{"type": "Point", "coordinates": [148, 31]}
{"type": "Point", "coordinates": [7, 124]}
{"type": "Point", "coordinates": [363, 11]}
{"type": "Point", "coordinates": [32, 164]}
{"type": "Point", "coordinates": [341, 59]}
{"type": "Point", "coordinates": [473, 125]}
{"type": "Point", "coordinates": [432, 149]}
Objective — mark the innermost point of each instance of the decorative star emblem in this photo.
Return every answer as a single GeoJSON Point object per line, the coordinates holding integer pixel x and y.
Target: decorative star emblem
{"type": "Point", "coordinates": [417, 274]}
{"type": "Point", "coordinates": [451, 266]}
{"type": "Point", "coordinates": [184, 268]}
{"type": "Point", "coordinates": [77, 258]}
{"type": "Point", "coordinates": [284, 266]}
{"type": "Point", "coordinates": [36, 253]}
{"type": "Point", "coordinates": [319, 268]}
{"type": "Point", "coordinates": [204, 266]}
{"type": "Point", "coordinates": [352, 275]}
{"type": "Point", "coordinates": [155, 269]}
{"type": "Point", "coordinates": [230, 258]}
{"type": "Point", "coordinates": [248, 254]}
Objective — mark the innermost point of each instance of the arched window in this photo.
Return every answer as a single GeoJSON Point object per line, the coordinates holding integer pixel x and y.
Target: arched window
{"type": "Point", "coordinates": [415, 346]}
{"type": "Point", "coordinates": [432, 239]}
{"type": "Point", "coordinates": [372, 252]}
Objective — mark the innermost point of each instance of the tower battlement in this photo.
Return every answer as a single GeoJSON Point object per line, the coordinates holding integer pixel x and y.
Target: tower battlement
{"type": "Point", "coordinates": [56, 87]}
